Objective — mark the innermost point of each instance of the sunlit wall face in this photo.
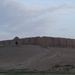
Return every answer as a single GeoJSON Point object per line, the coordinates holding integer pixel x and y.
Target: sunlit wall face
{"type": "Point", "coordinates": [27, 18]}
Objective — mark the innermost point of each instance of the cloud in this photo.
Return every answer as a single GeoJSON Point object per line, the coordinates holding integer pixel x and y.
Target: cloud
{"type": "Point", "coordinates": [69, 5]}
{"type": "Point", "coordinates": [18, 20]}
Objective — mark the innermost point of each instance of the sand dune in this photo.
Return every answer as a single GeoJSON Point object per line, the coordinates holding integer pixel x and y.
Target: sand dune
{"type": "Point", "coordinates": [34, 57]}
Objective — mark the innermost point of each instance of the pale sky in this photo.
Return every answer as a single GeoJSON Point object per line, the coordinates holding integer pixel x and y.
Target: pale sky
{"type": "Point", "coordinates": [30, 18]}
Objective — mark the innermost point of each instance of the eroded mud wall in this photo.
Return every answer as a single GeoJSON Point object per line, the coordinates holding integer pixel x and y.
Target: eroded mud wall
{"type": "Point", "coordinates": [41, 41]}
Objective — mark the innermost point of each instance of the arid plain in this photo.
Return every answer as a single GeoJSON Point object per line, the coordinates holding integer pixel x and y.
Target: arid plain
{"type": "Point", "coordinates": [37, 58]}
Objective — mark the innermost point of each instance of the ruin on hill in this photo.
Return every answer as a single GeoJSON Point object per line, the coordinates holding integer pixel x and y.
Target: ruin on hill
{"type": "Point", "coordinates": [41, 41]}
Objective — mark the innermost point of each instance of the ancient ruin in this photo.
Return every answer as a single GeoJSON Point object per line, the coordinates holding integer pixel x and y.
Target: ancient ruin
{"type": "Point", "coordinates": [41, 41]}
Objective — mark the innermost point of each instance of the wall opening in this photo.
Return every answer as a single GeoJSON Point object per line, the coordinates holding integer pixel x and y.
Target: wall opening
{"type": "Point", "coordinates": [16, 43]}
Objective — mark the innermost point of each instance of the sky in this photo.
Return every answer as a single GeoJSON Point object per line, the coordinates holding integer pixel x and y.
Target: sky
{"type": "Point", "coordinates": [31, 18]}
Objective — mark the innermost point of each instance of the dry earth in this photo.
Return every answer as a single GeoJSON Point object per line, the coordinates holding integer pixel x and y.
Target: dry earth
{"type": "Point", "coordinates": [37, 58]}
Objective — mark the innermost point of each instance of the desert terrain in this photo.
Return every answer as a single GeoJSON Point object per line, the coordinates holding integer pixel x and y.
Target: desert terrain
{"type": "Point", "coordinates": [37, 58]}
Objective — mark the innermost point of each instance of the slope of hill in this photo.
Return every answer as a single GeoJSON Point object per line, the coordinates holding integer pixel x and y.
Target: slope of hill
{"type": "Point", "coordinates": [37, 58]}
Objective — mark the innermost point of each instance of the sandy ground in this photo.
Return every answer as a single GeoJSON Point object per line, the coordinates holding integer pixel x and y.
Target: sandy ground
{"type": "Point", "coordinates": [34, 57]}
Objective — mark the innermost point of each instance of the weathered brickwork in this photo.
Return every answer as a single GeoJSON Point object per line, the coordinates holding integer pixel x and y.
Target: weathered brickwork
{"type": "Point", "coordinates": [41, 41]}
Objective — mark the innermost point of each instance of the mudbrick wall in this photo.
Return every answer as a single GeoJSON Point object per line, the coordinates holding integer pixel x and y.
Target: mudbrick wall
{"type": "Point", "coordinates": [41, 41]}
